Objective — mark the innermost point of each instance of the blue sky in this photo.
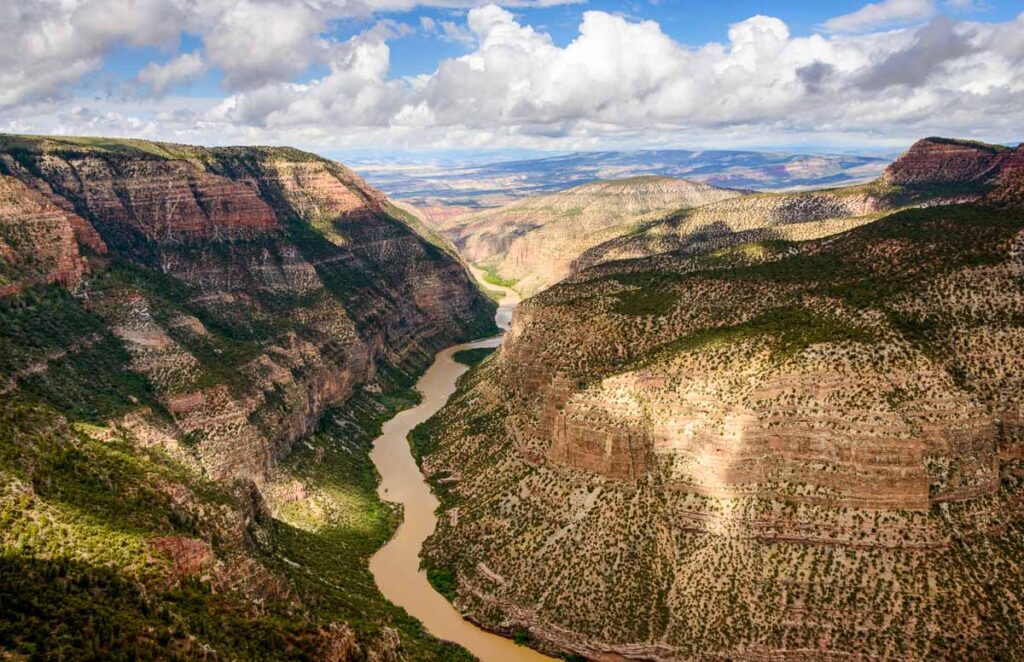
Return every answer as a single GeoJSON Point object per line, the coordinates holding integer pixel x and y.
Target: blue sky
{"type": "Point", "coordinates": [436, 75]}
{"type": "Point", "coordinates": [687, 21]}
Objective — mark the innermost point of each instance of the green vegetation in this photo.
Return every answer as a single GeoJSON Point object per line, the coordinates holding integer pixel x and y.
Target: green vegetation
{"type": "Point", "coordinates": [969, 143]}
{"type": "Point", "coordinates": [494, 295]}
{"type": "Point", "coordinates": [113, 545]}
{"type": "Point", "coordinates": [788, 330]}
{"type": "Point", "coordinates": [91, 382]}
{"type": "Point", "coordinates": [323, 543]}
{"type": "Point", "coordinates": [76, 517]}
{"type": "Point", "coordinates": [472, 357]}
{"type": "Point", "coordinates": [492, 276]}
{"type": "Point", "coordinates": [651, 294]}
{"type": "Point", "coordinates": [74, 548]}
{"type": "Point", "coordinates": [442, 579]}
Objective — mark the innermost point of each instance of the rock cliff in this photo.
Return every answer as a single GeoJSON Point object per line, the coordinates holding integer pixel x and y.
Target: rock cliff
{"type": "Point", "coordinates": [173, 320]}
{"type": "Point", "coordinates": [769, 450]}
{"type": "Point", "coordinates": [538, 241]}
{"type": "Point", "coordinates": [290, 254]}
{"type": "Point", "coordinates": [937, 161]}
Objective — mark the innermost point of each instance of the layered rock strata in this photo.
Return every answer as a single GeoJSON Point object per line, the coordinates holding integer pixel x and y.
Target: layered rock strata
{"type": "Point", "coordinates": [535, 241]}
{"type": "Point", "coordinates": [289, 254]}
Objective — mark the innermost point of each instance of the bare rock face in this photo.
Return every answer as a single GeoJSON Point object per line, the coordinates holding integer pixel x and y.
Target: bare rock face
{"type": "Point", "coordinates": [189, 556]}
{"type": "Point", "coordinates": [173, 201]}
{"type": "Point", "coordinates": [944, 161]}
{"type": "Point", "coordinates": [274, 283]}
{"type": "Point", "coordinates": [39, 242]}
{"type": "Point", "coordinates": [769, 450]}
{"type": "Point", "coordinates": [1009, 188]}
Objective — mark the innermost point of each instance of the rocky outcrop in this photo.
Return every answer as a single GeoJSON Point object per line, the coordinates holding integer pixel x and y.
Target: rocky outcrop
{"type": "Point", "coordinates": [937, 161]}
{"type": "Point", "coordinates": [39, 242]}
{"type": "Point", "coordinates": [979, 170]}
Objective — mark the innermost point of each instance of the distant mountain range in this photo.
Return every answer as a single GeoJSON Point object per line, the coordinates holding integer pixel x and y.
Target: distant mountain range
{"type": "Point", "coordinates": [491, 184]}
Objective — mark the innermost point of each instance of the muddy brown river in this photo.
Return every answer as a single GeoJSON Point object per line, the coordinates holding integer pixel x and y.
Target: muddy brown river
{"type": "Point", "coordinates": [396, 566]}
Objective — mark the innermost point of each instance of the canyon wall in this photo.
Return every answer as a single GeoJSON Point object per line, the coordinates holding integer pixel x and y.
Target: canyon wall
{"type": "Point", "coordinates": [196, 348]}
{"type": "Point", "coordinates": [770, 450]}
{"type": "Point", "coordinates": [535, 241]}
{"type": "Point", "coordinates": [288, 254]}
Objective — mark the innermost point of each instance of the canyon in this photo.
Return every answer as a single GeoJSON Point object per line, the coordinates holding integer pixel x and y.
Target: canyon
{"type": "Point", "coordinates": [245, 413]}
{"type": "Point", "coordinates": [533, 242]}
{"type": "Point", "coordinates": [542, 240]}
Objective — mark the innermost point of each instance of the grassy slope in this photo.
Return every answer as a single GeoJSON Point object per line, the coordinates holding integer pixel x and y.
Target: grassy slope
{"type": "Point", "coordinates": [80, 502]}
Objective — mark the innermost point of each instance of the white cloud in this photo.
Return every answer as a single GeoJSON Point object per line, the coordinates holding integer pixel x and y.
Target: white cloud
{"type": "Point", "coordinates": [178, 71]}
{"type": "Point", "coordinates": [882, 14]}
{"type": "Point", "coordinates": [50, 45]}
{"type": "Point", "coordinates": [618, 82]}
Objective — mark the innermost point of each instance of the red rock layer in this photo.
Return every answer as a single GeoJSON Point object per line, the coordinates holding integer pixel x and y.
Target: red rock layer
{"type": "Point", "coordinates": [164, 200]}
{"type": "Point", "coordinates": [1010, 183]}
{"type": "Point", "coordinates": [38, 240]}
{"type": "Point", "coordinates": [941, 161]}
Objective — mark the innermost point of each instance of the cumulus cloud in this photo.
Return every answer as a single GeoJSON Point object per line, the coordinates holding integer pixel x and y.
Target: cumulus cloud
{"type": "Point", "coordinates": [936, 43]}
{"type": "Point", "coordinates": [256, 42]}
{"type": "Point", "coordinates": [159, 78]}
{"type": "Point", "coordinates": [626, 78]}
{"type": "Point", "coordinates": [49, 45]}
{"type": "Point", "coordinates": [619, 81]}
{"type": "Point", "coordinates": [883, 14]}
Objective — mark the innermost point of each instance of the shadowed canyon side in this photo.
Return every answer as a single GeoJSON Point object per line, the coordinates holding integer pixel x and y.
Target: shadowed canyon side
{"type": "Point", "coordinates": [198, 346]}
{"type": "Point", "coordinates": [770, 450]}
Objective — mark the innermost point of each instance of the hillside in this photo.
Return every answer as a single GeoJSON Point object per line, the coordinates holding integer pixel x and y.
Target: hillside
{"type": "Point", "coordinates": [509, 242]}
{"type": "Point", "coordinates": [534, 241]}
{"type": "Point", "coordinates": [772, 450]}
{"type": "Point", "coordinates": [933, 171]}
{"type": "Point", "coordinates": [197, 348]}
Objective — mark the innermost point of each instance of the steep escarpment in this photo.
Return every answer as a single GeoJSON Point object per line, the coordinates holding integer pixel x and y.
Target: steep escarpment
{"type": "Point", "coordinates": [290, 255]}
{"type": "Point", "coordinates": [757, 217]}
{"type": "Point", "coordinates": [943, 161]}
{"type": "Point", "coordinates": [535, 241]}
{"type": "Point", "coordinates": [174, 319]}
{"type": "Point", "coordinates": [771, 450]}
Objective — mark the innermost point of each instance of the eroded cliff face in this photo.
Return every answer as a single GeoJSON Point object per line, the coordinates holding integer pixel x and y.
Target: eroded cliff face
{"type": "Point", "coordinates": [173, 320]}
{"type": "Point", "coordinates": [945, 161]}
{"type": "Point", "coordinates": [774, 450]}
{"type": "Point", "coordinates": [933, 171]}
{"type": "Point", "coordinates": [39, 240]}
{"type": "Point", "coordinates": [290, 255]}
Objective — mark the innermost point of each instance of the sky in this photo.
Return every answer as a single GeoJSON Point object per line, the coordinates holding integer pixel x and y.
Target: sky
{"type": "Point", "coordinates": [397, 76]}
